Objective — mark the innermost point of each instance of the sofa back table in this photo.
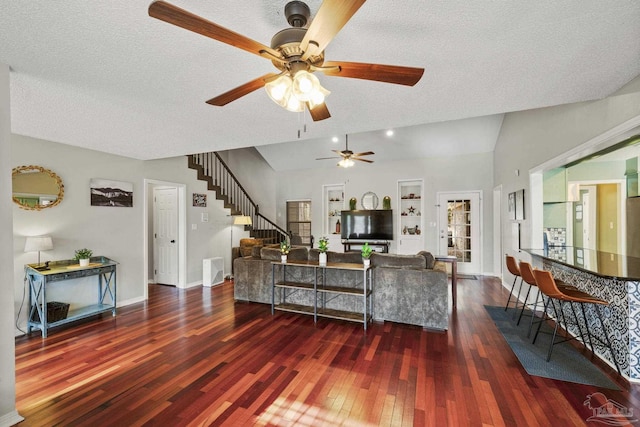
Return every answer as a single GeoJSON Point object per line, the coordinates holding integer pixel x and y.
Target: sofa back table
{"type": "Point", "coordinates": [102, 267]}
{"type": "Point", "coordinates": [321, 291]}
{"type": "Point", "coordinates": [453, 260]}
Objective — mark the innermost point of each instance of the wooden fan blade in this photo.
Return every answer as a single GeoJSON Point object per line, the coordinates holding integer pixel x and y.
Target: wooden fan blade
{"type": "Point", "coordinates": [407, 76]}
{"type": "Point", "coordinates": [241, 90]}
{"type": "Point", "coordinates": [187, 20]}
{"type": "Point", "coordinates": [366, 153]}
{"type": "Point", "coordinates": [361, 160]}
{"type": "Point", "coordinates": [329, 20]}
{"type": "Point", "coordinates": [327, 158]}
{"type": "Point", "coordinates": [320, 112]}
{"type": "Point", "coordinates": [342, 153]}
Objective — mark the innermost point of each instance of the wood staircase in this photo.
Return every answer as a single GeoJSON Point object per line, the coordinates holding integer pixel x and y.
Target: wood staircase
{"type": "Point", "coordinates": [219, 178]}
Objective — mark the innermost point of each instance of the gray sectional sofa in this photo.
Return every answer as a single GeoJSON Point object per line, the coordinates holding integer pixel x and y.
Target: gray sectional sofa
{"type": "Point", "coordinates": [410, 289]}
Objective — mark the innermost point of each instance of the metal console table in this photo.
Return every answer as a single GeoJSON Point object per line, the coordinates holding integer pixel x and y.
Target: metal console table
{"type": "Point", "coordinates": [39, 278]}
{"type": "Point", "coordinates": [319, 287]}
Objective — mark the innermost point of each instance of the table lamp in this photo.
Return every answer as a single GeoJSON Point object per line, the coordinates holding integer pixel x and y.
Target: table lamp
{"type": "Point", "coordinates": [38, 243]}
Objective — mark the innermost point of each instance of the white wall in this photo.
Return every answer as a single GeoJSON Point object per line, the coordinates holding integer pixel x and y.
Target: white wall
{"type": "Point", "coordinates": [460, 173]}
{"type": "Point", "coordinates": [8, 414]}
{"type": "Point", "coordinates": [529, 138]}
{"type": "Point", "coordinates": [112, 232]}
{"type": "Point", "coordinates": [117, 233]}
{"type": "Point", "coordinates": [255, 176]}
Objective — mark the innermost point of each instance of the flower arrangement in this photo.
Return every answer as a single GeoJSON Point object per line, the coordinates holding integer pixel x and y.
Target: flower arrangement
{"type": "Point", "coordinates": [366, 250]}
{"type": "Point", "coordinates": [83, 253]}
{"type": "Point", "coordinates": [285, 247]}
{"type": "Point", "coordinates": [323, 244]}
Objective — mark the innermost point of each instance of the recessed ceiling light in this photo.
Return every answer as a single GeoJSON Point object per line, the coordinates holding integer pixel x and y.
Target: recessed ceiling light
{"type": "Point", "coordinates": [390, 132]}
{"type": "Point", "coordinates": [334, 139]}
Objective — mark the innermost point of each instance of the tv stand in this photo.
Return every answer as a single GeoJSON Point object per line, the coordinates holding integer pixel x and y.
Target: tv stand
{"type": "Point", "coordinates": [384, 244]}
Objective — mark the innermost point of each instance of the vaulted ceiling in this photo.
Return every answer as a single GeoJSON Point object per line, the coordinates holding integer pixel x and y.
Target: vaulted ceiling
{"type": "Point", "coordinates": [106, 76]}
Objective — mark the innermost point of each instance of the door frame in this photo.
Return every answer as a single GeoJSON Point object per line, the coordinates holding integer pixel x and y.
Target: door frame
{"type": "Point", "coordinates": [497, 232]}
{"type": "Point", "coordinates": [460, 195]}
{"type": "Point", "coordinates": [149, 184]}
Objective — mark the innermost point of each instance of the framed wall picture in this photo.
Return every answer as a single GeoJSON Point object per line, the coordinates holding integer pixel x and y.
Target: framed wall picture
{"type": "Point", "coordinates": [199, 200]}
{"type": "Point", "coordinates": [520, 205]}
{"type": "Point", "coordinates": [107, 192]}
{"type": "Point", "coordinates": [511, 206]}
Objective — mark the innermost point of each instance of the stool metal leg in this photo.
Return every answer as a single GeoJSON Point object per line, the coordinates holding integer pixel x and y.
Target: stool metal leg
{"type": "Point", "coordinates": [555, 330]}
{"type": "Point", "coordinates": [544, 313]}
{"type": "Point", "coordinates": [606, 336]}
{"type": "Point", "coordinates": [575, 316]}
{"type": "Point", "coordinates": [515, 312]}
{"type": "Point", "coordinates": [586, 323]}
{"type": "Point", "coordinates": [533, 313]}
{"type": "Point", "coordinates": [515, 279]}
{"type": "Point", "coordinates": [524, 304]}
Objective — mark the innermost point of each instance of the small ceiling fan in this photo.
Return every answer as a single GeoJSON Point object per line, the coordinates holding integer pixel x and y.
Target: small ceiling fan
{"type": "Point", "coordinates": [349, 156]}
{"type": "Point", "coordinates": [297, 52]}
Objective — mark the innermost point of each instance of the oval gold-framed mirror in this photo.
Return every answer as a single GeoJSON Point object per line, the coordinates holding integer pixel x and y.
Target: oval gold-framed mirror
{"type": "Point", "coordinates": [36, 188]}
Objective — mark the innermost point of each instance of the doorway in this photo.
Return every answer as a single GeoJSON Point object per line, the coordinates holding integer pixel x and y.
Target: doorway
{"type": "Point", "coordinates": [460, 229]}
{"type": "Point", "coordinates": [150, 186]}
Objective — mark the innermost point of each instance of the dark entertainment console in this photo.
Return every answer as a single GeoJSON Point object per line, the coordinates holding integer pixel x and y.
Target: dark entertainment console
{"type": "Point", "coordinates": [383, 245]}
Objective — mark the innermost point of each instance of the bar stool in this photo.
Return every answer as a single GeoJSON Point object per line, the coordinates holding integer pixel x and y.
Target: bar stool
{"type": "Point", "coordinates": [548, 286]}
{"type": "Point", "coordinates": [512, 266]}
{"type": "Point", "coordinates": [526, 271]}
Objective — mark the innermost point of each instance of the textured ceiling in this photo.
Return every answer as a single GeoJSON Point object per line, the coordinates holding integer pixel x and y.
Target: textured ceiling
{"type": "Point", "coordinates": [106, 76]}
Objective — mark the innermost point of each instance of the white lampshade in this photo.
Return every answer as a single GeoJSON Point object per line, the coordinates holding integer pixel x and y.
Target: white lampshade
{"type": "Point", "coordinates": [242, 220]}
{"type": "Point", "coordinates": [38, 243]}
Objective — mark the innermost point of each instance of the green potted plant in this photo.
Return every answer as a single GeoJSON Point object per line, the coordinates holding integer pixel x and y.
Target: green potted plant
{"type": "Point", "coordinates": [82, 256]}
{"type": "Point", "coordinates": [285, 247]}
{"type": "Point", "coordinates": [323, 247]}
{"type": "Point", "coordinates": [366, 252]}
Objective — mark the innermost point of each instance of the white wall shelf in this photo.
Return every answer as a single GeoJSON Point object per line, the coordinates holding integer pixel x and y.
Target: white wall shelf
{"type": "Point", "coordinates": [410, 224]}
{"type": "Point", "coordinates": [332, 204]}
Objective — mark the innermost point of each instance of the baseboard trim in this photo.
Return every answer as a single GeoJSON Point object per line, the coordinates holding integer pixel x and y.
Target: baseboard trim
{"type": "Point", "coordinates": [10, 419]}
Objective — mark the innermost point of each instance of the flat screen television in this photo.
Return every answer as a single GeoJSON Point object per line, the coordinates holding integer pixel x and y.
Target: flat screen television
{"type": "Point", "coordinates": [367, 224]}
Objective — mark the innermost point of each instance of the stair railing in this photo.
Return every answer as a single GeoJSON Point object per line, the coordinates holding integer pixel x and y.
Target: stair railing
{"type": "Point", "coordinates": [212, 169]}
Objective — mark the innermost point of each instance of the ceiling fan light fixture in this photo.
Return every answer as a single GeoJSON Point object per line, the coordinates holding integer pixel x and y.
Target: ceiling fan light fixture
{"type": "Point", "coordinates": [318, 97]}
{"type": "Point", "coordinates": [293, 94]}
{"type": "Point", "coordinates": [293, 104]}
{"type": "Point", "coordinates": [346, 163]}
{"type": "Point", "coordinates": [278, 88]}
{"type": "Point", "coordinates": [305, 85]}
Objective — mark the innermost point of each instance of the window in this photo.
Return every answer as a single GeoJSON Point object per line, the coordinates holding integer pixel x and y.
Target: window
{"type": "Point", "coordinates": [299, 222]}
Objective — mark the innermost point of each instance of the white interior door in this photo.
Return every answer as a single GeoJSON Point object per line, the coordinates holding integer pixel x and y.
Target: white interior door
{"type": "Point", "coordinates": [165, 233]}
{"type": "Point", "coordinates": [460, 229]}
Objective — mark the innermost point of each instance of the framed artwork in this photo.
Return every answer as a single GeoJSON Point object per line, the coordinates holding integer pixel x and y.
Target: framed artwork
{"type": "Point", "coordinates": [511, 206]}
{"type": "Point", "coordinates": [520, 205]}
{"type": "Point", "coordinates": [107, 192]}
{"type": "Point", "coordinates": [200, 200]}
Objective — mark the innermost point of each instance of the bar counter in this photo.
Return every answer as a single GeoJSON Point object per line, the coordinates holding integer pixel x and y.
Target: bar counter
{"type": "Point", "coordinates": [613, 278]}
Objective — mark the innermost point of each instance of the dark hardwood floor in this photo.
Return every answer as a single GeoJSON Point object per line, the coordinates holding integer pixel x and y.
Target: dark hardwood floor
{"type": "Point", "coordinates": [195, 357]}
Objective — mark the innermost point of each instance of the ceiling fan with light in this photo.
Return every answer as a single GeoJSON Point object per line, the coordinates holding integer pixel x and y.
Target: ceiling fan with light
{"type": "Point", "coordinates": [349, 156]}
{"type": "Point", "coordinates": [297, 52]}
